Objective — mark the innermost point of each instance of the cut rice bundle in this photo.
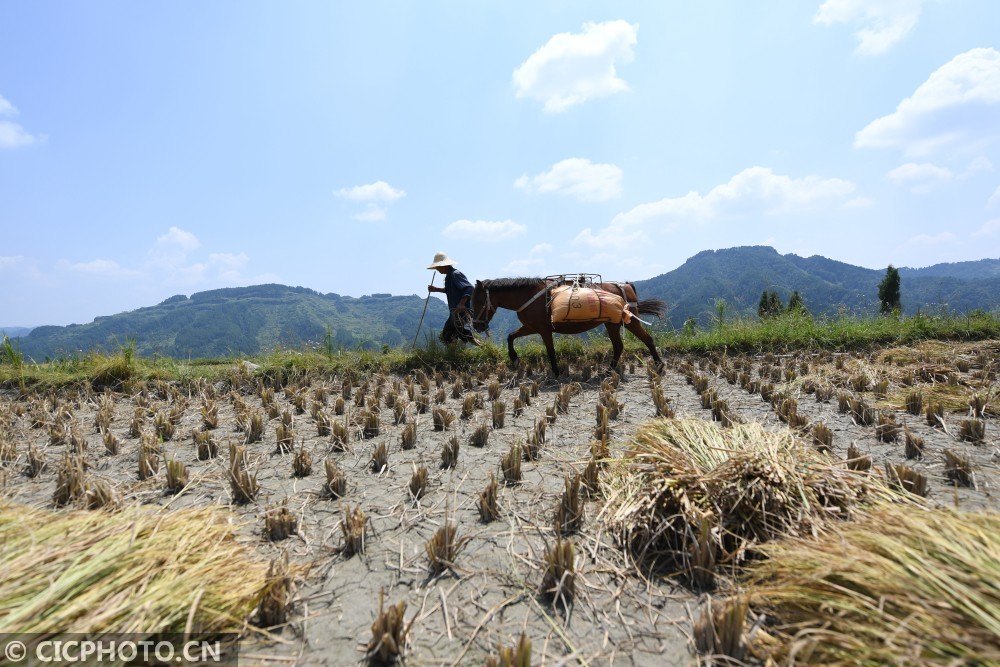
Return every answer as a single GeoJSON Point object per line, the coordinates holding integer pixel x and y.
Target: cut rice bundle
{"type": "Point", "coordinates": [133, 571]}
{"type": "Point", "coordinates": [690, 486]}
{"type": "Point", "coordinates": [903, 585]}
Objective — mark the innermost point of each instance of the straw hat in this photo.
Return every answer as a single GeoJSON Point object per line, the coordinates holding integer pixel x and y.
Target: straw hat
{"type": "Point", "coordinates": [441, 259]}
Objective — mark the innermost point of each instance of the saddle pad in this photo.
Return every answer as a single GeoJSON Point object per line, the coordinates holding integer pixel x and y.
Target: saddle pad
{"type": "Point", "coordinates": [583, 304]}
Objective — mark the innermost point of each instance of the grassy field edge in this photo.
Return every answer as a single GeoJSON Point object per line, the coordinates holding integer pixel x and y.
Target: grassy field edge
{"type": "Point", "coordinates": [782, 334]}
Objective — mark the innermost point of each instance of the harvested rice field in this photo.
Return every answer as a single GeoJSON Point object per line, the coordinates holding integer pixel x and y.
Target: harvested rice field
{"type": "Point", "coordinates": [452, 518]}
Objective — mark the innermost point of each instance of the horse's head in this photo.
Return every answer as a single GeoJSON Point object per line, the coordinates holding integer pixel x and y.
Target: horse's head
{"type": "Point", "coordinates": [483, 309]}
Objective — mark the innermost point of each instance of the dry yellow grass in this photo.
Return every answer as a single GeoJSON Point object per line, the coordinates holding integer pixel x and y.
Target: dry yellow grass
{"type": "Point", "coordinates": [132, 571]}
{"type": "Point", "coordinates": [932, 352]}
{"type": "Point", "coordinates": [747, 484]}
{"type": "Point", "coordinates": [904, 585]}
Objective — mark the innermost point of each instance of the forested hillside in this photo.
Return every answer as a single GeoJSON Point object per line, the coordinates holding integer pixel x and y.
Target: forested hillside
{"type": "Point", "coordinates": [245, 320]}
{"type": "Point", "coordinates": [828, 287]}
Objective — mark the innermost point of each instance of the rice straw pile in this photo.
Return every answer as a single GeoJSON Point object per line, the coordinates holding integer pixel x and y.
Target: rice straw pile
{"type": "Point", "coordinates": [133, 571]}
{"type": "Point", "coordinates": [903, 585]}
{"type": "Point", "coordinates": [693, 495]}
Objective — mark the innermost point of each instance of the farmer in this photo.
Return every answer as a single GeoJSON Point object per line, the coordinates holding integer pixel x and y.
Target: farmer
{"type": "Point", "coordinates": [458, 291]}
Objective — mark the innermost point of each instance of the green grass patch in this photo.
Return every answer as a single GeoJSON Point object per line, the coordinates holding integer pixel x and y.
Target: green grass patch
{"type": "Point", "coordinates": [791, 332]}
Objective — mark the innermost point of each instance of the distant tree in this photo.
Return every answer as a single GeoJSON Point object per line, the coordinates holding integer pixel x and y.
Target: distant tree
{"type": "Point", "coordinates": [721, 307]}
{"type": "Point", "coordinates": [328, 342]}
{"type": "Point", "coordinates": [888, 291]}
{"type": "Point", "coordinates": [796, 304]}
{"type": "Point", "coordinates": [770, 305]}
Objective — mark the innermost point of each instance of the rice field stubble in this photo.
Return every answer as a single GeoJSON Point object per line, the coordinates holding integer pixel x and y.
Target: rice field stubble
{"type": "Point", "coordinates": [489, 595]}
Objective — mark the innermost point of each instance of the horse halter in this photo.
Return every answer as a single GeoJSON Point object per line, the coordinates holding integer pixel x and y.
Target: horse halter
{"type": "Point", "coordinates": [482, 316]}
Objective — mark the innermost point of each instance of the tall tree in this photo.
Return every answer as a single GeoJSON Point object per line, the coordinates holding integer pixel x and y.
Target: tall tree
{"type": "Point", "coordinates": [796, 304]}
{"type": "Point", "coordinates": [888, 291]}
{"type": "Point", "coordinates": [770, 305]}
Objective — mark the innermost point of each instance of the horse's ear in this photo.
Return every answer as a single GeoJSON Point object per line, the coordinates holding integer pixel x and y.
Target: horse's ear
{"type": "Point", "coordinates": [479, 283]}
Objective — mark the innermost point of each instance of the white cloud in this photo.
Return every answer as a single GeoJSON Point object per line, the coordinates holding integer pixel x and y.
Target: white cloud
{"type": "Point", "coordinates": [989, 228]}
{"type": "Point", "coordinates": [21, 267]}
{"type": "Point", "coordinates": [484, 230]}
{"type": "Point", "coordinates": [753, 191]}
{"type": "Point", "coordinates": [954, 108]}
{"type": "Point", "coordinates": [228, 260]}
{"type": "Point", "coordinates": [921, 177]}
{"type": "Point", "coordinates": [994, 198]}
{"type": "Point", "coordinates": [12, 135]}
{"type": "Point", "coordinates": [621, 265]}
{"type": "Point", "coordinates": [981, 163]}
{"type": "Point", "coordinates": [170, 262]}
{"type": "Point", "coordinates": [228, 266]}
{"type": "Point", "coordinates": [379, 191]}
{"type": "Point", "coordinates": [540, 249]}
{"type": "Point", "coordinates": [188, 274]}
{"type": "Point", "coordinates": [10, 262]}
{"type": "Point", "coordinates": [578, 177]}
{"type": "Point", "coordinates": [924, 177]}
{"type": "Point", "coordinates": [572, 68]}
{"type": "Point", "coordinates": [101, 267]}
{"type": "Point", "coordinates": [169, 254]}
{"type": "Point", "coordinates": [522, 267]}
{"type": "Point", "coordinates": [372, 213]}
{"type": "Point", "coordinates": [932, 239]}
{"type": "Point", "coordinates": [859, 202]}
{"type": "Point", "coordinates": [881, 23]}
{"type": "Point", "coordinates": [377, 196]}
{"type": "Point", "coordinates": [178, 238]}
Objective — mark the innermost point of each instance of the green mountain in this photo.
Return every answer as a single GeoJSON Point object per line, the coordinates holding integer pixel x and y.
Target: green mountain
{"type": "Point", "coordinates": [251, 320]}
{"type": "Point", "coordinates": [245, 320]}
{"type": "Point", "coordinates": [828, 287]}
{"type": "Point", "coordinates": [981, 269]}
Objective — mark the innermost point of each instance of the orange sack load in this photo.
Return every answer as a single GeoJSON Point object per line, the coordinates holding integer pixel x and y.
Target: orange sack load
{"type": "Point", "coordinates": [584, 304]}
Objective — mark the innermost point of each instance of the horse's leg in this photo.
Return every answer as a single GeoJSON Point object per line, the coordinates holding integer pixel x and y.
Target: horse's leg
{"type": "Point", "coordinates": [615, 334]}
{"type": "Point", "coordinates": [635, 326]}
{"type": "Point", "coordinates": [550, 347]}
{"type": "Point", "coordinates": [523, 331]}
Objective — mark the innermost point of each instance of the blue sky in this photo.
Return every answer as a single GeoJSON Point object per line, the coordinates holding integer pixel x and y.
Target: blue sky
{"type": "Point", "coordinates": [159, 148]}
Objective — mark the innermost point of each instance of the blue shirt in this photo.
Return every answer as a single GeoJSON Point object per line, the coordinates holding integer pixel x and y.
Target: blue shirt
{"type": "Point", "coordinates": [456, 285]}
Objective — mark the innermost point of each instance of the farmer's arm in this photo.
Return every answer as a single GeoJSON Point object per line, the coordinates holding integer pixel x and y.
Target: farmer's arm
{"type": "Point", "coordinates": [465, 288]}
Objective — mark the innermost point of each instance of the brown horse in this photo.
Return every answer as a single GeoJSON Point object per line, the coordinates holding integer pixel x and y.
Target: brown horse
{"type": "Point", "coordinates": [529, 298]}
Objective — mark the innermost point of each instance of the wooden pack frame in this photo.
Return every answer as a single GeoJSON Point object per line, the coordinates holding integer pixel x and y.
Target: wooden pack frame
{"type": "Point", "coordinates": [590, 280]}
{"type": "Point", "coordinates": [579, 298]}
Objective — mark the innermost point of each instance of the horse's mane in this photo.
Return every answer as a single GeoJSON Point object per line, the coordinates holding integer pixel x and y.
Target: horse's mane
{"type": "Point", "coordinates": [501, 284]}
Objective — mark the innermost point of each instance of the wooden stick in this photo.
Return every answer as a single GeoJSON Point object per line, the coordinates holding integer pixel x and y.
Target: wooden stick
{"type": "Point", "coordinates": [426, 301]}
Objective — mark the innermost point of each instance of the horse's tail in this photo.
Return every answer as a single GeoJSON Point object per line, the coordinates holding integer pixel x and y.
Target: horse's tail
{"type": "Point", "coordinates": [656, 307]}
